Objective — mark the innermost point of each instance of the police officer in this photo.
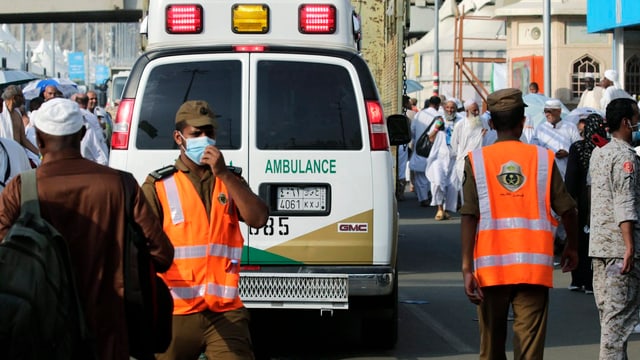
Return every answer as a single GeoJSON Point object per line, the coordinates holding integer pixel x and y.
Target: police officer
{"type": "Point", "coordinates": [615, 231]}
{"type": "Point", "coordinates": [200, 201]}
{"type": "Point", "coordinates": [509, 191]}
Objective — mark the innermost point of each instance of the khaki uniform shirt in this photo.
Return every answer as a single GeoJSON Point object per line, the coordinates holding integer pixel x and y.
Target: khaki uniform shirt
{"type": "Point", "coordinates": [615, 198]}
{"type": "Point", "coordinates": [561, 201]}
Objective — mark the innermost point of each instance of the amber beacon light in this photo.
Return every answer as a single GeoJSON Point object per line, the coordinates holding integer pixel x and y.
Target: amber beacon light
{"type": "Point", "coordinates": [250, 18]}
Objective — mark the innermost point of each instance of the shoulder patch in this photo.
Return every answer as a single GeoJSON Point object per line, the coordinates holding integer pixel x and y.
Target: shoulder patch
{"type": "Point", "coordinates": [628, 167]}
{"type": "Point", "coordinates": [163, 172]}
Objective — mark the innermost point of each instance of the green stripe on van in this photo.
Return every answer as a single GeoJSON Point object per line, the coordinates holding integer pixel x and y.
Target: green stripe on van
{"type": "Point", "coordinates": [252, 256]}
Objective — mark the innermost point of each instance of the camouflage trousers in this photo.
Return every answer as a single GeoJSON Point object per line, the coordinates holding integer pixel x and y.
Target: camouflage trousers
{"type": "Point", "coordinates": [618, 303]}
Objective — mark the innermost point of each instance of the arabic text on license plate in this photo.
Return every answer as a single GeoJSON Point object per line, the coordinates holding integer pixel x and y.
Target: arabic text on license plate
{"type": "Point", "coordinates": [310, 198]}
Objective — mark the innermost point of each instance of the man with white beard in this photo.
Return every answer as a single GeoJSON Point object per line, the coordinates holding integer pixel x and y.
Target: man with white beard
{"type": "Point", "coordinates": [467, 136]}
{"type": "Point", "coordinates": [440, 164]}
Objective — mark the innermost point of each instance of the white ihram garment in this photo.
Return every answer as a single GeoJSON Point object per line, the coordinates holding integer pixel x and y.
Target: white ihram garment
{"type": "Point", "coordinates": [611, 93]}
{"type": "Point", "coordinates": [440, 173]}
{"type": "Point", "coordinates": [559, 138]}
{"type": "Point", "coordinates": [6, 127]}
{"type": "Point", "coordinates": [467, 136]}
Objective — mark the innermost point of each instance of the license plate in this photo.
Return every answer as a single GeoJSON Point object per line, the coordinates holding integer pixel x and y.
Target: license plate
{"type": "Point", "coordinates": [301, 198]}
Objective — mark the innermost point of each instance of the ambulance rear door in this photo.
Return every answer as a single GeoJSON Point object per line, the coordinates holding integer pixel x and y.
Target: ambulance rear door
{"type": "Point", "coordinates": [310, 160]}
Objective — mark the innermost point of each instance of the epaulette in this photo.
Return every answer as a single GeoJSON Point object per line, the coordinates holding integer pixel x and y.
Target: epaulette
{"type": "Point", "coordinates": [163, 172]}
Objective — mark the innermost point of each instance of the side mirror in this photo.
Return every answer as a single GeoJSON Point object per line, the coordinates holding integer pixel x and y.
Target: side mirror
{"type": "Point", "coordinates": [399, 128]}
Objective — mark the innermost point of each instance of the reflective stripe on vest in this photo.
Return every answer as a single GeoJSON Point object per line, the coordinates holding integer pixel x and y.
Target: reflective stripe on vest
{"type": "Point", "coordinates": [517, 249]}
{"type": "Point", "coordinates": [196, 251]}
{"type": "Point", "coordinates": [514, 259]}
{"type": "Point", "coordinates": [173, 198]}
{"type": "Point", "coordinates": [188, 293]}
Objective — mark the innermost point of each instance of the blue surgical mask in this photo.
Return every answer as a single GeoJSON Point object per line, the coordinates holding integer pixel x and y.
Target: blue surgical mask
{"type": "Point", "coordinates": [635, 137]}
{"type": "Point", "coordinates": [195, 147]}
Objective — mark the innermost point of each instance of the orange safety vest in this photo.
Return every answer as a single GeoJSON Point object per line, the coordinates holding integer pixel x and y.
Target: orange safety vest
{"type": "Point", "coordinates": [205, 270]}
{"type": "Point", "coordinates": [514, 243]}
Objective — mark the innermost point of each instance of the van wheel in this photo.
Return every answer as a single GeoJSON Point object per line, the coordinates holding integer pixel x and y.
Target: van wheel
{"type": "Point", "coordinates": [380, 323]}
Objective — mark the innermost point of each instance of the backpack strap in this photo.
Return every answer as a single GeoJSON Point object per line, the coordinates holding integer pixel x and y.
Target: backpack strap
{"type": "Point", "coordinates": [29, 193]}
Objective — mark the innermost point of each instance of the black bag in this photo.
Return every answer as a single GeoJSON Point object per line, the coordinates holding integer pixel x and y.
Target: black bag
{"type": "Point", "coordinates": [424, 144]}
{"type": "Point", "coordinates": [148, 301]}
{"type": "Point", "coordinates": [7, 171]}
{"type": "Point", "coordinates": [399, 130]}
{"type": "Point", "coordinates": [40, 312]}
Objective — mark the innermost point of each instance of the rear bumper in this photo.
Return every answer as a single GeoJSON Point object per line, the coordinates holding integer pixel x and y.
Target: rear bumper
{"type": "Point", "coordinates": [313, 287]}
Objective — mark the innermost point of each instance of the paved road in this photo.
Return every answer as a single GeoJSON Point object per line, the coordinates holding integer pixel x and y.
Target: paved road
{"type": "Point", "coordinates": [436, 319]}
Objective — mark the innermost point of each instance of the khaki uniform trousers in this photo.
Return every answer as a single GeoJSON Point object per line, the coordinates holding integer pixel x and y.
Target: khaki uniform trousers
{"type": "Point", "coordinates": [223, 336]}
{"type": "Point", "coordinates": [530, 305]}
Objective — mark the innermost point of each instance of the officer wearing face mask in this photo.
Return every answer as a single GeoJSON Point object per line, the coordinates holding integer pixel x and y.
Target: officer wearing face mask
{"type": "Point", "coordinates": [199, 202]}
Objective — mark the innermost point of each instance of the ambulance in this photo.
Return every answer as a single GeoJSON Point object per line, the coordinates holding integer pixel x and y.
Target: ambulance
{"type": "Point", "coordinates": [299, 112]}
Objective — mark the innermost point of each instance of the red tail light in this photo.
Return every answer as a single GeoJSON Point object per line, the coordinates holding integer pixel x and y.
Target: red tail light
{"type": "Point", "coordinates": [317, 19]}
{"type": "Point", "coordinates": [378, 135]}
{"type": "Point", "coordinates": [249, 48]}
{"type": "Point", "coordinates": [122, 125]}
{"type": "Point", "coordinates": [184, 19]}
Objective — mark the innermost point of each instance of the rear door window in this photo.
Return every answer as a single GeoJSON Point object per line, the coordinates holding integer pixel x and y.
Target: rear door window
{"type": "Point", "coordinates": [169, 85]}
{"type": "Point", "coordinates": [118, 86]}
{"type": "Point", "coordinates": [306, 106]}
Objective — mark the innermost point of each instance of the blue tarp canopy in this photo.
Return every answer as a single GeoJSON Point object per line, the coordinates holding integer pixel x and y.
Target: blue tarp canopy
{"type": "Point", "coordinates": [605, 15]}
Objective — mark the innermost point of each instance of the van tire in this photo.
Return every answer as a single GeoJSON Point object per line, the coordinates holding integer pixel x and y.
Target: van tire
{"type": "Point", "coordinates": [380, 322]}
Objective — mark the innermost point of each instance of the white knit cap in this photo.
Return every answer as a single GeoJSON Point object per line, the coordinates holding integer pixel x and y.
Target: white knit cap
{"type": "Point", "coordinates": [553, 104]}
{"type": "Point", "coordinates": [589, 75]}
{"type": "Point", "coordinates": [59, 117]}
{"type": "Point", "coordinates": [469, 103]}
{"type": "Point", "coordinates": [611, 75]}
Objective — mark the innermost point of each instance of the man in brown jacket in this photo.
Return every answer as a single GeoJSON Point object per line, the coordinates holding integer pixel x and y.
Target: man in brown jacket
{"type": "Point", "coordinates": [84, 201]}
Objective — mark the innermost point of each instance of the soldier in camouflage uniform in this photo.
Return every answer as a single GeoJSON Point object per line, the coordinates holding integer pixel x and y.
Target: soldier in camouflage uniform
{"type": "Point", "coordinates": [615, 230]}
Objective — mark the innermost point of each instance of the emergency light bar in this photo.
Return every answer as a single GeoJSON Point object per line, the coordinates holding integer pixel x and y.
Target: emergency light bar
{"type": "Point", "coordinates": [250, 19]}
{"type": "Point", "coordinates": [184, 19]}
{"type": "Point", "coordinates": [317, 19]}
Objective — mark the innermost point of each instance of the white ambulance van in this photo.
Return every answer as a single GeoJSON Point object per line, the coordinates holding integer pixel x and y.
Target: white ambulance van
{"type": "Point", "coordinates": [300, 113]}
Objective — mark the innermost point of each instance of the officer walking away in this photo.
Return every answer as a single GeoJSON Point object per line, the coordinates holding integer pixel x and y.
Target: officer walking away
{"type": "Point", "coordinates": [200, 201]}
{"type": "Point", "coordinates": [615, 231]}
{"type": "Point", "coordinates": [85, 202]}
{"type": "Point", "coordinates": [510, 189]}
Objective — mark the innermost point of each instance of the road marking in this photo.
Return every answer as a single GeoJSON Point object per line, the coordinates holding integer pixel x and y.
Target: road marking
{"type": "Point", "coordinates": [449, 337]}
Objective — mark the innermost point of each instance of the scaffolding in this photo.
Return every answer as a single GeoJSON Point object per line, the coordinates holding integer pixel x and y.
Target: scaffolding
{"type": "Point", "coordinates": [462, 69]}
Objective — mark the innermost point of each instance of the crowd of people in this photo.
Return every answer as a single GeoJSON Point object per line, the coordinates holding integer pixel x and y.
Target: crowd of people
{"type": "Point", "coordinates": [512, 184]}
{"type": "Point", "coordinates": [16, 128]}
{"type": "Point", "coordinates": [534, 198]}
{"type": "Point", "coordinates": [84, 200]}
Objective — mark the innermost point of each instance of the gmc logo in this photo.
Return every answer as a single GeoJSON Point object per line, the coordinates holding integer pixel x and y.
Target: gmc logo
{"type": "Point", "coordinates": [353, 227]}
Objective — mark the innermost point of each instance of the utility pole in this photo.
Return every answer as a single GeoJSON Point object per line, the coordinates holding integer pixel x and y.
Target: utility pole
{"type": "Point", "coordinates": [436, 49]}
{"type": "Point", "coordinates": [53, 50]}
{"type": "Point", "coordinates": [547, 47]}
